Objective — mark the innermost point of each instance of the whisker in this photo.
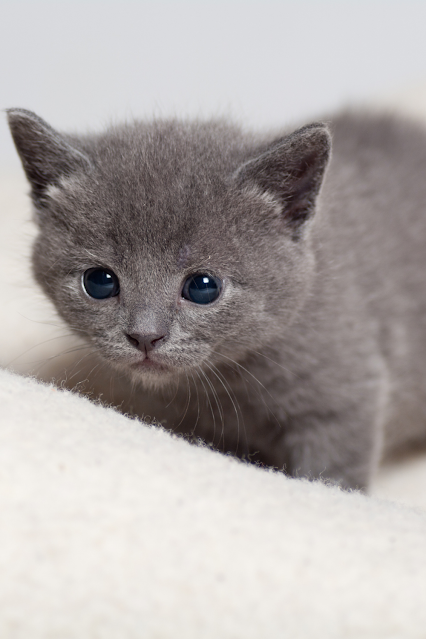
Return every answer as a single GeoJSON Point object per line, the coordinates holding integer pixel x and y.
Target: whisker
{"type": "Point", "coordinates": [225, 381]}
{"type": "Point", "coordinates": [51, 339]}
{"type": "Point", "coordinates": [187, 403]}
{"type": "Point", "coordinates": [246, 370]}
{"type": "Point", "coordinates": [174, 396]}
{"type": "Point", "coordinates": [198, 405]}
{"type": "Point", "coordinates": [48, 360]}
{"type": "Point", "coordinates": [283, 349]}
{"type": "Point", "coordinates": [96, 366]}
{"type": "Point", "coordinates": [50, 323]}
{"type": "Point", "coordinates": [222, 432]}
{"type": "Point", "coordinates": [78, 363]}
{"type": "Point", "coordinates": [222, 380]}
{"type": "Point", "coordinates": [208, 400]}
{"type": "Point", "coordinates": [276, 363]}
{"type": "Point", "coordinates": [258, 382]}
{"type": "Point", "coordinates": [216, 399]}
{"type": "Point", "coordinates": [132, 395]}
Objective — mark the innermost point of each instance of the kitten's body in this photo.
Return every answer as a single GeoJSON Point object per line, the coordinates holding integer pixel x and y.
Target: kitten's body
{"type": "Point", "coordinates": [316, 347]}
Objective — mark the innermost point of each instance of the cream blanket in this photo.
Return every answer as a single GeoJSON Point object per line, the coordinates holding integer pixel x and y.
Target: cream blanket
{"type": "Point", "coordinates": [110, 528]}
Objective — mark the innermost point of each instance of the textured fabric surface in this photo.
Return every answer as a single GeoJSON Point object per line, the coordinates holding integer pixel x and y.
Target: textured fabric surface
{"type": "Point", "coordinates": [113, 529]}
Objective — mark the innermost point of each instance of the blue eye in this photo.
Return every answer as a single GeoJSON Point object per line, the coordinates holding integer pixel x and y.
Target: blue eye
{"type": "Point", "coordinates": [100, 283]}
{"type": "Point", "coordinates": [202, 289]}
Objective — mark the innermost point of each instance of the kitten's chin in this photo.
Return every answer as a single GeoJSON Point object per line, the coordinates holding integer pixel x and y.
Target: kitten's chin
{"type": "Point", "coordinates": [148, 365]}
{"type": "Point", "coordinates": [148, 372]}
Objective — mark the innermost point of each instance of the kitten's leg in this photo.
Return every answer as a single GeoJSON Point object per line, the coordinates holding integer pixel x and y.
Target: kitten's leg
{"type": "Point", "coordinates": [332, 414]}
{"type": "Point", "coordinates": [344, 447]}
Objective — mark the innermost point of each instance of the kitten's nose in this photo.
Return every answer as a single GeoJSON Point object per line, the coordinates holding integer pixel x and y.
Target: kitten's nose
{"type": "Point", "coordinates": [146, 342]}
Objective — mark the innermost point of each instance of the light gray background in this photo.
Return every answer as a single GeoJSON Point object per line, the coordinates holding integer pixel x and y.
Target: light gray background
{"type": "Point", "coordinates": [82, 64]}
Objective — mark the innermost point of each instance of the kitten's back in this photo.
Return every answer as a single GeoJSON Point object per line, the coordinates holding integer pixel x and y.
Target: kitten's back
{"type": "Point", "coordinates": [372, 244]}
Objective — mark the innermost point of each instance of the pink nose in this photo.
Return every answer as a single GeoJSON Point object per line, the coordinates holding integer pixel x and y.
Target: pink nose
{"type": "Point", "coordinates": [146, 342]}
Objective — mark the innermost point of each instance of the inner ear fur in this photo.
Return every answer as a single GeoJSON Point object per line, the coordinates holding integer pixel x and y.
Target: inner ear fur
{"type": "Point", "coordinates": [45, 154]}
{"type": "Point", "coordinates": [292, 170]}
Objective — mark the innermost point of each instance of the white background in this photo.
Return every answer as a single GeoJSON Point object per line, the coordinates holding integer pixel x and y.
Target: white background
{"type": "Point", "coordinates": [81, 65]}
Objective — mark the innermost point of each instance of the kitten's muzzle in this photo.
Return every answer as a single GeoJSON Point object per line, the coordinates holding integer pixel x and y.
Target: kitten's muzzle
{"type": "Point", "coordinates": [146, 342]}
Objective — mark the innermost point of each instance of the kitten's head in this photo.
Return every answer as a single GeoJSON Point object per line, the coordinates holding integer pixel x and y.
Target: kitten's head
{"type": "Point", "coordinates": [170, 244]}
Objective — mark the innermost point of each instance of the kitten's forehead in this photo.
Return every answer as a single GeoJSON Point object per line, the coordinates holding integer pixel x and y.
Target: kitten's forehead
{"type": "Point", "coordinates": [161, 186]}
{"type": "Point", "coordinates": [168, 148]}
{"type": "Point", "coordinates": [144, 232]}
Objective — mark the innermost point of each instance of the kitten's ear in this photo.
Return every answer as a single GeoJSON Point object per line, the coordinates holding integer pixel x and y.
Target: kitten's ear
{"type": "Point", "coordinates": [291, 170]}
{"type": "Point", "coordinates": [45, 154]}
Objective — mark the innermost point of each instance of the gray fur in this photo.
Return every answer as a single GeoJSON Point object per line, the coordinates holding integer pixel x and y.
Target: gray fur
{"type": "Point", "coordinates": [314, 357]}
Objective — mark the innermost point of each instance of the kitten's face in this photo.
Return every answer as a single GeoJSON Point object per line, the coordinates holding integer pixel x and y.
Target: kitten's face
{"type": "Point", "coordinates": [164, 254]}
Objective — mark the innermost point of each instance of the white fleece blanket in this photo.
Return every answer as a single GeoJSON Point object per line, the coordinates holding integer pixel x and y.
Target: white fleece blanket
{"type": "Point", "coordinates": [112, 529]}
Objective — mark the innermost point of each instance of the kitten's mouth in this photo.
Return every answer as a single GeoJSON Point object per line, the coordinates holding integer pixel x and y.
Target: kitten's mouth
{"type": "Point", "coordinates": [148, 364]}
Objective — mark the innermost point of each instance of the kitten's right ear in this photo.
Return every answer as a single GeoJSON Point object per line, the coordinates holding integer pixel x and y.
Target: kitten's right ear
{"type": "Point", "coordinates": [45, 154]}
{"type": "Point", "coordinates": [292, 170]}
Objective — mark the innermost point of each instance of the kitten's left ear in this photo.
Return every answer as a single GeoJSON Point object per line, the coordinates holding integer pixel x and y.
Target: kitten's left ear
{"type": "Point", "coordinates": [45, 154]}
{"type": "Point", "coordinates": [292, 170]}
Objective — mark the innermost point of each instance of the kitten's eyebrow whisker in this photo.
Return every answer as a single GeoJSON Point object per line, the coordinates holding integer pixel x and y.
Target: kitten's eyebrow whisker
{"type": "Point", "coordinates": [52, 266]}
{"type": "Point", "coordinates": [90, 254]}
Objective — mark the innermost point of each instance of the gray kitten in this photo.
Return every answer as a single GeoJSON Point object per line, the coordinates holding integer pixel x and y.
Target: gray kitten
{"type": "Point", "coordinates": [268, 300]}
